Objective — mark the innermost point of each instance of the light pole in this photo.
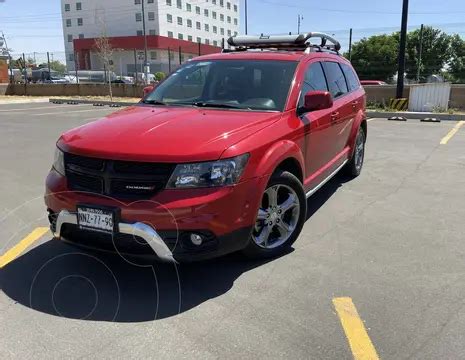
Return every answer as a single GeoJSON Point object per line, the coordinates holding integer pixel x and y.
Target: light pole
{"type": "Point", "coordinates": [245, 8]}
{"type": "Point", "coordinates": [146, 65]}
{"type": "Point", "coordinates": [299, 19]}
{"type": "Point", "coordinates": [402, 46]}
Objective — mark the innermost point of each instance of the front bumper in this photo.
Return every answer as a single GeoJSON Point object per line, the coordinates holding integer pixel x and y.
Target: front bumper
{"type": "Point", "coordinates": [141, 230]}
{"type": "Point", "coordinates": [225, 216]}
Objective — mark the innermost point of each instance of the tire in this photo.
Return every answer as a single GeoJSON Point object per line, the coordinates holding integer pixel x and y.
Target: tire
{"type": "Point", "coordinates": [355, 165]}
{"type": "Point", "coordinates": [288, 212]}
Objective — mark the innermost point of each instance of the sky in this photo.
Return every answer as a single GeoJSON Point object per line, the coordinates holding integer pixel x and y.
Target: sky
{"type": "Point", "coordinates": [35, 26]}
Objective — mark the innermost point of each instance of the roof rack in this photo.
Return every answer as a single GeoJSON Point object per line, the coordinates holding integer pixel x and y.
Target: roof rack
{"type": "Point", "coordinates": [284, 42]}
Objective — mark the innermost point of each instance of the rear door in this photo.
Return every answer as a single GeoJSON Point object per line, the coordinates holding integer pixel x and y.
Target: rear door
{"type": "Point", "coordinates": [342, 115]}
{"type": "Point", "coordinates": [317, 123]}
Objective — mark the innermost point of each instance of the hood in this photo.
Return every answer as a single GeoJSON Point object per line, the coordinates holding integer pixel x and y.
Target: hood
{"type": "Point", "coordinates": [165, 134]}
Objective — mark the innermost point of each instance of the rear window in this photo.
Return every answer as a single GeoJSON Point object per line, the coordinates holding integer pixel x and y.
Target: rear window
{"type": "Point", "coordinates": [351, 77]}
{"type": "Point", "coordinates": [336, 80]}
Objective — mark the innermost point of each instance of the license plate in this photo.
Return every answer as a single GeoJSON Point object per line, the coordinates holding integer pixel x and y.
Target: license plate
{"type": "Point", "coordinates": [96, 219]}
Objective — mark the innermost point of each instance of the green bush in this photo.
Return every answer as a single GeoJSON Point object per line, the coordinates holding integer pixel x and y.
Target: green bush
{"type": "Point", "coordinates": [160, 75]}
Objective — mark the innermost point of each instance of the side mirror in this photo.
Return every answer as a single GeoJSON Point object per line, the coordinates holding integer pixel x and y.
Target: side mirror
{"type": "Point", "coordinates": [148, 90]}
{"type": "Point", "coordinates": [317, 100]}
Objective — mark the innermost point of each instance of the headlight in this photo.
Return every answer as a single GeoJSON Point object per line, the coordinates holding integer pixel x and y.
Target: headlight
{"type": "Point", "coordinates": [59, 162]}
{"type": "Point", "coordinates": [208, 174]}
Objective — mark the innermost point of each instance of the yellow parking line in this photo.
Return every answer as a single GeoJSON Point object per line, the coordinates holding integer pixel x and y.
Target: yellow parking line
{"type": "Point", "coordinates": [359, 341]}
{"type": "Point", "coordinates": [16, 250]}
{"type": "Point", "coordinates": [451, 133]}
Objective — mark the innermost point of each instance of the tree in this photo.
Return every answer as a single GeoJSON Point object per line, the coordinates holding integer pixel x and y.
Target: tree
{"type": "Point", "coordinates": [456, 65]}
{"type": "Point", "coordinates": [375, 58]}
{"type": "Point", "coordinates": [55, 65]}
{"type": "Point", "coordinates": [435, 52]}
{"type": "Point", "coordinates": [104, 50]}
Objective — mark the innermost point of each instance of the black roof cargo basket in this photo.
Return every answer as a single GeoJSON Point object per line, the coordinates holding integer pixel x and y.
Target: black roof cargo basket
{"type": "Point", "coordinates": [285, 42]}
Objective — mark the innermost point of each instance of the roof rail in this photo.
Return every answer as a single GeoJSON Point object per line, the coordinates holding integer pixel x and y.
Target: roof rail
{"type": "Point", "coordinates": [285, 42]}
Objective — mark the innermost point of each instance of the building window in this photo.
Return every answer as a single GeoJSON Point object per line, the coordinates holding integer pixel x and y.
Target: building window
{"type": "Point", "coordinates": [189, 23]}
{"type": "Point", "coordinates": [229, 32]}
{"type": "Point", "coordinates": [68, 23]}
{"type": "Point", "coordinates": [235, 21]}
{"type": "Point", "coordinates": [188, 7]}
{"type": "Point", "coordinates": [80, 22]}
{"type": "Point", "coordinates": [189, 37]}
{"type": "Point", "coordinates": [215, 43]}
{"type": "Point", "coordinates": [151, 16]}
{"type": "Point", "coordinates": [180, 36]}
{"type": "Point", "coordinates": [221, 17]}
{"type": "Point", "coordinates": [138, 17]}
{"type": "Point", "coordinates": [179, 4]}
{"type": "Point", "coordinates": [215, 30]}
{"type": "Point", "coordinates": [168, 2]}
{"type": "Point", "coordinates": [169, 18]}
{"type": "Point", "coordinates": [228, 5]}
{"type": "Point", "coordinates": [235, 8]}
{"type": "Point", "coordinates": [222, 3]}
{"type": "Point", "coordinates": [81, 36]}
{"type": "Point", "coordinates": [205, 12]}
{"type": "Point", "coordinates": [67, 7]}
{"type": "Point", "coordinates": [197, 10]}
{"type": "Point", "coordinates": [229, 19]}
{"type": "Point", "coordinates": [207, 42]}
{"type": "Point", "coordinates": [78, 6]}
{"type": "Point", "coordinates": [153, 55]}
{"type": "Point", "coordinates": [207, 27]}
{"type": "Point", "coordinates": [140, 33]}
{"type": "Point", "coordinates": [152, 32]}
{"type": "Point", "coordinates": [70, 38]}
{"type": "Point", "coordinates": [137, 2]}
{"type": "Point", "coordinates": [214, 2]}
{"type": "Point", "coordinates": [170, 34]}
{"type": "Point", "coordinates": [222, 31]}
{"type": "Point", "coordinates": [149, 1]}
{"type": "Point", "coordinates": [70, 57]}
{"type": "Point", "coordinates": [179, 20]}
{"type": "Point", "coordinates": [235, 33]}
{"type": "Point", "coordinates": [198, 25]}
{"type": "Point", "coordinates": [199, 40]}
{"type": "Point", "coordinates": [214, 15]}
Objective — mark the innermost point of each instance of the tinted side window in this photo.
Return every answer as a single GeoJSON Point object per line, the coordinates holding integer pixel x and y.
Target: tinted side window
{"type": "Point", "coordinates": [351, 77]}
{"type": "Point", "coordinates": [336, 80]}
{"type": "Point", "coordinates": [314, 80]}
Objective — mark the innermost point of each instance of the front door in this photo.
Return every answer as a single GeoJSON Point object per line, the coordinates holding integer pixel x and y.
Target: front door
{"type": "Point", "coordinates": [318, 127]}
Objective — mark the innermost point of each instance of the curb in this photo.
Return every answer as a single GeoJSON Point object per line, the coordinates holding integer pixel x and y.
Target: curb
{"type": "Point", "coordinates": [28, 101]}
{"type": "Point", "coordinates": [91, 102]}
{"type": "Point", "coordinates": [415, 115]}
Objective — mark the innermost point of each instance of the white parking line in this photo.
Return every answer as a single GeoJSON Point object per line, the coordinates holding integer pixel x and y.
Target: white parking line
{"type": "Point", "coordinates": [71, 112]}
{"type": "Point", "coordinates": [38, 108]}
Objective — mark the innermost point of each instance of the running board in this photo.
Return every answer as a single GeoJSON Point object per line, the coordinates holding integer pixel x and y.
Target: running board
{"type": "Point", "coordinates": [321, 184]}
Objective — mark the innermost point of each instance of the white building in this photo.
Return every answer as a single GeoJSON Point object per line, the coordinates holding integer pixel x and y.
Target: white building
{"type": "Point", "coordinates": [169, 24]}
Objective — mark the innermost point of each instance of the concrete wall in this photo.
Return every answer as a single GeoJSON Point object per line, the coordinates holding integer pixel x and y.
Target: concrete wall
{"type": "Point", "coordinates": [119, 90]}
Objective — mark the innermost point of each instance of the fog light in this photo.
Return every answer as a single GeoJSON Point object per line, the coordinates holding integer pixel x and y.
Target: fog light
{"type": "Point", "coordinates": [196, 239]}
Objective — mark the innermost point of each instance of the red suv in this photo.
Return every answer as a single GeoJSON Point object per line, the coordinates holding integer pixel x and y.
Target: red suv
{"type": "Point", "coordinates": [220, 157]}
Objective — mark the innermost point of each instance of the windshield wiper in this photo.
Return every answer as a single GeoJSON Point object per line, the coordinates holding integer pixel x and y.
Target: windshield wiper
{"type": "Point", "coordinates": [218, 105]}
{"type": "Point", "coordinates": [153, 102]}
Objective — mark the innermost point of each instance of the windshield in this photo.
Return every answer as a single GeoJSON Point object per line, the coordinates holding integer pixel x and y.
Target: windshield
{"type": "Point", "coordinates": [232, 84]}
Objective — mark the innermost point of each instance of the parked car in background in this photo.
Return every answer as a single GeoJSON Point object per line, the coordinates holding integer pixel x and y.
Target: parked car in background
{"type": "Point", "coordinates": [372, 82]}
{"type": "Point", "coordinates": [47, 77]}
{"type": "Point", "coordinates": [221, 156]}
{"type": "Point", "coordinates": [95, 76]}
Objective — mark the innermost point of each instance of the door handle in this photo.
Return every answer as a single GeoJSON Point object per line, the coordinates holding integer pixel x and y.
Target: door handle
{"type": "Point", "coordinates": [334, 116]}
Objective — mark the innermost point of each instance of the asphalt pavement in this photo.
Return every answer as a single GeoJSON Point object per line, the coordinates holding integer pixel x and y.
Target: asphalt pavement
{"type": "Point", "coordinates": [390, 243]}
